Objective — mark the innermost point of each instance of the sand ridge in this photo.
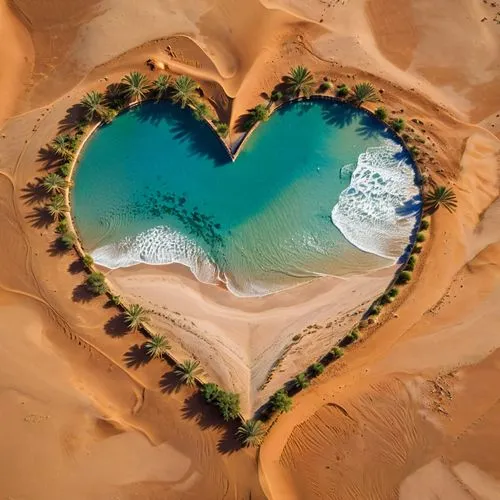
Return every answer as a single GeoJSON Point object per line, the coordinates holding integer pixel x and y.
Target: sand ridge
{"type": "Point", "coordinates": [91, 401]}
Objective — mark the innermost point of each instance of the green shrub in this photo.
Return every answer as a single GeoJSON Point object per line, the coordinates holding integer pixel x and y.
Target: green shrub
{"type": "Point", "coordinates": [414, 151]}
{"type": "Point", "coordinates": [326, 86]}
{"type": "Point", "coordinates": [337, 352]}
{"type": "Point", "coordinates": [404, 277]}
{"type": "Point", "coordinates": [316, 369]}
{"type": "Point", "coordinates": [257, 114]}
{"type": "Point", "coordinates": [87, 260]}
{"type": "Point", "coordinates": [420, 237]}
{"type": "Point", "coordinates": [398, 124]}
{"type": "Point", "coordinates": [375, 310]}
{"type": "Point", "coordinates": [381, 113]}
{"type": "Point", "coordinates": [386, 299]}
{"type": "Point", "coordinates": [228, 404]}
{"type": "Point", "coordinates": [67, 239]}
{"type": "Point", "coordinates": [222, 129]}
{"type": "Point", "coordinates": [393, 292]}
{"type": "Point", "coordinates": [116, 300]}
{"type": "Point", "coordinates": [351, 337]}
{"type": "Point", "coordinates": [210, 392]}
{"type": "Point", "coordinates": [410, 266]}
{"type": "Point", "coordinates": [424, 224]}
{"type": "Point", "coordinates": [96, 283]}
{"type": "Point", "coordinates": [301, 381]}
{"type": "Point", "coordinates": [416, 249]}
{"type": "Point", "coordinates": [281, 401]}
{"type": "Point", "coordinates": [63, 170]}
{"type": "Point", "coordinates": [342, 90]}
{"type": "Point", "coordinates": [62, 226]}
{"type": "Point", "coordinates": [276, 96]}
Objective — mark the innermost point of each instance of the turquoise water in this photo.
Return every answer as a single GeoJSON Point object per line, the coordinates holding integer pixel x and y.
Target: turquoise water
{"type": "Point", "coordinates": [320, 189]}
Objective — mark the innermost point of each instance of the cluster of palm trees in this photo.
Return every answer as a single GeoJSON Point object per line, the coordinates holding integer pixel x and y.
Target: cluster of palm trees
{"type": "Point", "coordinates": [135, 87]}
{"type": "Point", "coordinates": [300, 82]}
{"type": "Point", "coordinates": [158, 346]}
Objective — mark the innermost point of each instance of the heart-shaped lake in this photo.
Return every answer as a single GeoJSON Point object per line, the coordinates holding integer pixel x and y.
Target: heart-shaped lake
{"type": "Point", "coordinates": [322, 188]}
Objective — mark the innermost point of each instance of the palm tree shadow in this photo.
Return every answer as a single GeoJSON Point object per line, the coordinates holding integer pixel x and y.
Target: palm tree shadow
{"type": "Point", "coordinates": [40, 218]}
{"type": "Point", "coordinates": [82, 294]}
{"type": "Point", "coordinates": [371, 129]}
{"type": "Point", "coordinates": [198, 136]}
{"type": "Point", "coordinates": [47, 156]}
{"type": "Point", "coordinates": [170, 383]}
{"type": "Point", "coordinates": [339, 115]}
{"type": "Point", "coordinates": [136, 356]}
{"type": "Point", "coordinates": [243, 123]}
{"type": "Point", "coordinates": [200, 140]}
{"type": "Point", "coordinates": [117, 326]}
{"type": "Point", "coordinates": [229, 443]}
{"type": "Point", "coordinates": [74, 114]}
{"type": "Point", "coordinates": [76, 267]}
{"type": "Point", "coordinates": [34, 192]}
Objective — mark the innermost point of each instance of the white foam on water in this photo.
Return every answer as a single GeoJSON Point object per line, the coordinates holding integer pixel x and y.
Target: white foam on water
{"type": "Point", "coordinates": [377, 212]}
{"type": "Point", "coordinates": [370, 213]}
{"type": "Point", "coordinates": [156, 246]}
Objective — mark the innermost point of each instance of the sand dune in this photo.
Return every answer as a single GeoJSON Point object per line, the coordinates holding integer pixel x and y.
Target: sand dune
{"type": "Point", "coordinates": [412, 412]}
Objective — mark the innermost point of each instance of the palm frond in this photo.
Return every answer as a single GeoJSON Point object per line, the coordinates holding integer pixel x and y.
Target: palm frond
{"type": "Point", "coordinates": [300, 81]}
{"type": "Point", "coordinates": [251, 433]}
{"type": "Point", "coordinates": [364, 92]}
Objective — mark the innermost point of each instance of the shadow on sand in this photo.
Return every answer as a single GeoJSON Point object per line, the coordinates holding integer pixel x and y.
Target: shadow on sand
{"type": "Point", "coordinates": [117, 326]}
{"type": "Point", "coordinates": [136, 356]}
{"type": "Point", "coordinates": [207, 417]}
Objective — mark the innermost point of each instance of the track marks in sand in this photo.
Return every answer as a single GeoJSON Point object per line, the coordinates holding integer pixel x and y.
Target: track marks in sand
{"type": "Point", "coordinates": [380, 427]}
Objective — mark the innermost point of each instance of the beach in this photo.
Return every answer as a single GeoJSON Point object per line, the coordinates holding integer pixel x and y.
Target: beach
{"type": "Point", "coordinates": [409, 412]}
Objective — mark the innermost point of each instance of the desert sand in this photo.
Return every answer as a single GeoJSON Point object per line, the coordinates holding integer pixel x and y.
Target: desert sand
{"type": "Point", "coordinates": [411, 412]}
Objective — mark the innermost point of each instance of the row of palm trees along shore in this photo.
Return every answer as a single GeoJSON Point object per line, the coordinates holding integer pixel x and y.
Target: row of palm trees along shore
{"type": "Point", "coordinates": [135, 87]}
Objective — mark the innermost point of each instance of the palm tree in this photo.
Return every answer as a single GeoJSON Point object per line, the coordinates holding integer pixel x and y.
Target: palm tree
{"type": "Point", "coordinates": [136, 86]}
{"type": "Point", "coordinates": [54, 183]}
{"type": "Point", "coordinates": [161, 86]}
{"type": "Point", "coordinates": [440, 196]}
{"type": "Point", "coordinates": [115, 95]}
{"type": "Point", "coordinates": [57, 206]}
{"type": "Point", "coordinates": [251, 433]}
{"type": "Point", "coordinates": [93, 103]}
{"type": "Point", "coordinates": [185, 90]}
{"type": "Point", "coordinates": [157, 346]}
{"type": "Point", "coordinates": [188, 371]}
{"type": "Point", "coordinates": [62, 146]}
{"type": "Point", "coordinates": [364, 92]}
{"type": "Point", "coordinates": [135, 316]}
{"type": "Point", "coordinates": [300, 81]}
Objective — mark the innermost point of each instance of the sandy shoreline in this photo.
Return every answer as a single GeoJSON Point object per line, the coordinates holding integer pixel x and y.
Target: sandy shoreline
{"type": "Point", "coordinates": [83, 415]}
{"type": "Point", "coordinates": [230, 335]}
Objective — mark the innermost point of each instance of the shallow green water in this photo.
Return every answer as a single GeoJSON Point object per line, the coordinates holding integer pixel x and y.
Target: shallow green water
{"type": "Point", "coordinates": [156, 186]}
